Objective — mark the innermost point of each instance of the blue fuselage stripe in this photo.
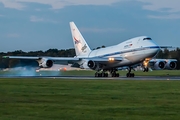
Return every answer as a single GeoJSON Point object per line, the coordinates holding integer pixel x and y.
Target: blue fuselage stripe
{"type": "Point", "coordinates": [131, 50]}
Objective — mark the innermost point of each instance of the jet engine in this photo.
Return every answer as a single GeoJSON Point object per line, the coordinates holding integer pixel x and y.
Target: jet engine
{"type": "Point", "coordinates": [93, 65]}
{"type": "Point", "coordinates": [159, 65]}
{"type": "Point", "coordinates": [45, 63]}
{"type": "Point", "coordinates": [171, 65]}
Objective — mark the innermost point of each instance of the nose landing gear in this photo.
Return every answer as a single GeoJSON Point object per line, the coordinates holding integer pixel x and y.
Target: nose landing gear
{"type": "Point", "coordinates": [146, 69]}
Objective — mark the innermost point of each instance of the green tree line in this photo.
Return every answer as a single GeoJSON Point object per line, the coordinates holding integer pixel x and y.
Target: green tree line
{"type": "Point", "coordinates": [8, 63]}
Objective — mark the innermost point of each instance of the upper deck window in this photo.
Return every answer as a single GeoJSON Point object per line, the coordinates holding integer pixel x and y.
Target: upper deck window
{"type": "Point", "coordinates": [147, 38]}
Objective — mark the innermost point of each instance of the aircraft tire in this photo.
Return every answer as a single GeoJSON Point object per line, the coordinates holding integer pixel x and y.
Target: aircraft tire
{"type": "Point", "coordinates": [117, 74]}
{"type": "Point", "coordinates": [146, 70]}
{"type": "Point", "coordinates": [130, 75]}
{"type": "Point", "coordinates": [104, 74]}
{"type": "Point", "coordinates": [99, 74]}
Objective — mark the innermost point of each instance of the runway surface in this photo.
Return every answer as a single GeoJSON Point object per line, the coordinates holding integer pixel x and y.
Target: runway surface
{"type": "Point", "coordinates": [101, 78]}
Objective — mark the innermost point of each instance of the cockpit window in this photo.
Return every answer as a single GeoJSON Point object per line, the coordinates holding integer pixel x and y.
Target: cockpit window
{"type": "Point", "coordinates": [147, 38]}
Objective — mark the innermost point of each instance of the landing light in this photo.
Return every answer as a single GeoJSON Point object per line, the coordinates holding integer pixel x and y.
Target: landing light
{"type": "Point", "coordinates": [145, 63]}
{"type": "Point", "coordinates": [111, 59]}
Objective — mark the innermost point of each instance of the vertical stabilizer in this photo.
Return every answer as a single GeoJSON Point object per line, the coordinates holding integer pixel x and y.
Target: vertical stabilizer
{"type": "Point", "coordinates": [81, 47]}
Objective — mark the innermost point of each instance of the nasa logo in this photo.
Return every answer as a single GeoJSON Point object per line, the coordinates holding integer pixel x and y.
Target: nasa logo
{"type": "Point", "coordinates": [76, 41]}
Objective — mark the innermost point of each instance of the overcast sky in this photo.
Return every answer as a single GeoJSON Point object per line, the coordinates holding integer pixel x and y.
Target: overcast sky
{"type": "Point", "coordinates": [32, 25]}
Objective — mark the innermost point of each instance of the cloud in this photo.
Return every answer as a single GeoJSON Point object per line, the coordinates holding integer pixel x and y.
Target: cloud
{"type": "Point", "coordinates": [55, 4]}
{"type": "Point", "coordinates": [101, 30]}
{"type": "Point", "coordinates": [12, 4]}
{"type": "Point", "coordinates": [169, 8]}
{"type": "Point", "coordinates": [13, 35]}
{"type": "Point", "coordinates": [39, 19]}
{"type": "Point", "coordinates": [171, 16]}
{"type": "Point", "coordinates": [161, 5]}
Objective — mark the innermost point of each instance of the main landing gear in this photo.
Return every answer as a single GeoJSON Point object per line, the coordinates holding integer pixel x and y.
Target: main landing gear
{"type": "Point", "coordinates": [113, 73]}
{"type": "Point", "coordinates": [101, 74]}
{"type": "Point", "coordinates": [105, 74]}
{"type": "Point", "coordinates": [129, 74]}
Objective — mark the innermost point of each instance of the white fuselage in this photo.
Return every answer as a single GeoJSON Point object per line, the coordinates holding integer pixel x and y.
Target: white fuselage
{"type": "Point", "coordinates": [132, 51]}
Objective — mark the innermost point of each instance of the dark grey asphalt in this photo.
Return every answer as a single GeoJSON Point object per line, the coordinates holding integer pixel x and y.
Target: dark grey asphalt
{"type": "Point", "coordinates": [103, 78]}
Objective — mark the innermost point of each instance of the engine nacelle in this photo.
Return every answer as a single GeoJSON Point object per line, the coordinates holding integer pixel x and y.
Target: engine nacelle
{"type": "Point", "coordinates": [171, 65]}
{"type": "Point", "coordinates": [45, 63]}
{"type": "Point", "coordinates": [159, 65]}
{"type": "Point", "coordinates": [93, 65]}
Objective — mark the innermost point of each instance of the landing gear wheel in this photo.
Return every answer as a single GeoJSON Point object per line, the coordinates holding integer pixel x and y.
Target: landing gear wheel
{"type": "Point", "coordinates": [101, 74]}
{"type": "Point", "coordinates": [146, 70]}
{"type": "Point", "coordinates": [104, 74]}
{"type": "Point", "coordinates": [130, 75]}
{"type": "Point", "coordinates": [115, 74]}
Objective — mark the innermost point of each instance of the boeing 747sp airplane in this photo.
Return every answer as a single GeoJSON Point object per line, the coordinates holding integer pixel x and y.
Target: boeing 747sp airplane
{"type": "Point", "coordinates": [104, 60]}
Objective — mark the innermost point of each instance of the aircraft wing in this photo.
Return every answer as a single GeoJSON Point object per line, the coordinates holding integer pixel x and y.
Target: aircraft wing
{"type": "Point", "coordinates": [96, 59]}
{"type": "Point", "coordinates": [21, 57]}
{"type": "Point", "coordinates": [45, 61]}
{"type": "Point", "coordinates": [41, 57]}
